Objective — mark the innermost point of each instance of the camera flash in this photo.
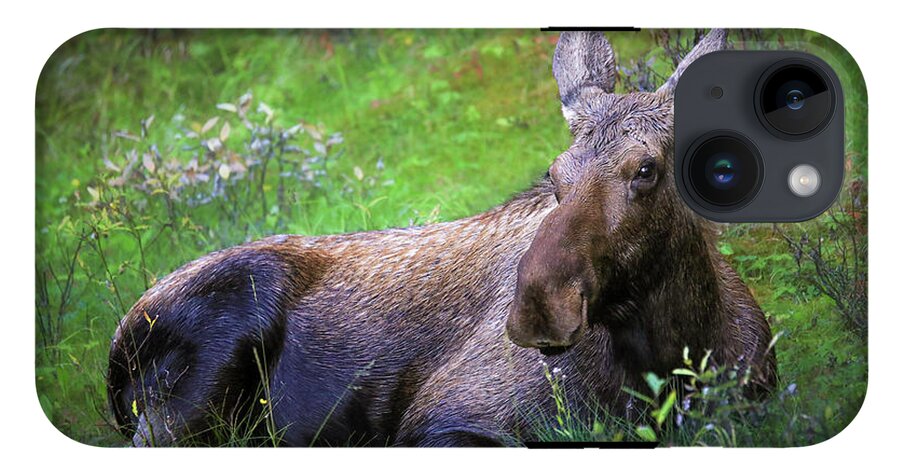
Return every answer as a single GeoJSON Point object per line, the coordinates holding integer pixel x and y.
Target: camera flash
{"type": "Point", "coordinates": [803, 180]}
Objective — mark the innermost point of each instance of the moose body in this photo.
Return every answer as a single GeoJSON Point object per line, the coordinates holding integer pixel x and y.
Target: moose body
{"type": "Point", "coordinates": [439, 335]}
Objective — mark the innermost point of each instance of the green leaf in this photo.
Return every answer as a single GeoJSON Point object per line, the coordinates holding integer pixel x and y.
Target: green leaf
{"type": "Point", "coordinates": [645, 433]}
{"type": "Point", "coordinates": [664, 410]}
{"type": "Point", "coordinates": [656, 384]}
{"type": "Point", "coordinates": [638, 395]}
{"type": "Point", "coordinates": [705, 360]}
{"type": "Point", "coordinates": [685, 372]}
{"type": "Point", "coordinates": [726, 249]}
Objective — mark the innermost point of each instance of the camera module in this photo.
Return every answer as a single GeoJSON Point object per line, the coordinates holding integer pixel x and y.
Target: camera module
{"type": "Point", "coordinates": [759, 136]}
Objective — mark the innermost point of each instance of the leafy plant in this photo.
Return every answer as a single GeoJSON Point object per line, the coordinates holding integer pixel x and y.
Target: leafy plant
{"type": "Point", "coordinates": [831, 255]}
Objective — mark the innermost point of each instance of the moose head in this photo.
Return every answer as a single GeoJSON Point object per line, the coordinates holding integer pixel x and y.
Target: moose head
{"type": "Point", "coordinates": [618, 216]}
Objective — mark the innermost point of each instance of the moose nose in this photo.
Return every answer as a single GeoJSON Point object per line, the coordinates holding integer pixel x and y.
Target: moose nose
{"type": "Point", "coordinates": [544, 339]}
{"type": "Point", "coordinates": [555, 279]}
{"type": "Point", "coordinates": [546, 327]}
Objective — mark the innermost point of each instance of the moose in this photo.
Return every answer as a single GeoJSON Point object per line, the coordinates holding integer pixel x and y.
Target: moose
{"type": "Point", "coordinates": [437, 335]}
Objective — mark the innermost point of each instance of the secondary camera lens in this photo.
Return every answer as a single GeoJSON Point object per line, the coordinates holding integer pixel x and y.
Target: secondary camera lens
{"type": "Point", "coordinates": [795, 98]}
{"type": "Point", "coordinates": [724, 170]}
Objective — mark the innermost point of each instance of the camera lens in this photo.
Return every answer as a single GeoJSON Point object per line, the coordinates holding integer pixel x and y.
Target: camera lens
{"type": "Point", "coordinates": [724, 170]}
{"type": "Point", "coordinates": [795, 98]}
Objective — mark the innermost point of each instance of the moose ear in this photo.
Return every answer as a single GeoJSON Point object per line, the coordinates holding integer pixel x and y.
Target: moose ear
{"type": "Point", "coordinates": [584, 63]}
{"type": "Point", "coordinates": [713, 41]}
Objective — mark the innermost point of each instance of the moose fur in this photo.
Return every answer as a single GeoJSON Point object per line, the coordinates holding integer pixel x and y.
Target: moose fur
{"type": "Point", "coordinates": [409, 336]}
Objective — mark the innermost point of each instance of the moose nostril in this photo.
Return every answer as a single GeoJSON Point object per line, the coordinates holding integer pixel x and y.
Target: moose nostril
{"type": "Point", "coordinates": [551, 351]}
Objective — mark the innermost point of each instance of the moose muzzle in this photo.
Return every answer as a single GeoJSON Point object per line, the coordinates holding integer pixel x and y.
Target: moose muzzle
{"type": "Point", "coordinates": [553, 293]}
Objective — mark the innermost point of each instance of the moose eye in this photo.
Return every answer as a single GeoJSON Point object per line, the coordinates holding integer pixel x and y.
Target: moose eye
{"type": "Point", "coordinates": [645, 178]}
{"type": "Point", "coordinates": [647, 171]}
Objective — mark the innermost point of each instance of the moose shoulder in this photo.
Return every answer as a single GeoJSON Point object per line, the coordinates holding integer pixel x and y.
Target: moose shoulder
{"type": "Point", "coordinates": [435, 335]}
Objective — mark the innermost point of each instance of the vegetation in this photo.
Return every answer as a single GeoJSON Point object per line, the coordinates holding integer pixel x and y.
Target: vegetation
{"type": "Point", "coordinates": [154, 148]}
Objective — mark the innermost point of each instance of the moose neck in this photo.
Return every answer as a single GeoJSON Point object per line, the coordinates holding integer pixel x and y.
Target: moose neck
{"type": "Point", "coordinates": [673, 301]}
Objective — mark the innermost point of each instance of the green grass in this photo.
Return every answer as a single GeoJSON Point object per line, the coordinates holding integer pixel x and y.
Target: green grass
{"type": "Point", "coordinates": [460, 120]}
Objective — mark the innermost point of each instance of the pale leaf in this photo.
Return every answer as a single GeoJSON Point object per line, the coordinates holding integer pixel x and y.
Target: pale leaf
{"type": "Point", "coordinates": [227, 107]}
{"type": "Point", "coordinates": [214, 144]}
{"type": "Point", "coordinates": [111, 166]}
{"type": "Point", "coordinates": [149, 164]}
{"type": "Point", "coordinates": [225, 132]}
{"type": "Point", "coordinates": [127, 135]}
{"type": "Point", "coordinates": [294, 130]}
{"type": "Point", "coordinates": [313, 131]}
{"type": "Point", "coordinates": [209, 125]}
{"type": "Point", "coordinates": [265, 109]}
{"type": "Point", "coordinates": [145, 125]}
{"type": "Point", "coordinates": [244, 103]}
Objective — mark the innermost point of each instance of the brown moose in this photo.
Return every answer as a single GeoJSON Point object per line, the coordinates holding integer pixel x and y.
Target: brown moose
{"type": "Point", "coordinates": [435, 335]}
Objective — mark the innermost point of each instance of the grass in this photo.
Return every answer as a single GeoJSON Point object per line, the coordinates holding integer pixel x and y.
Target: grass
{"type": "Point", "coordinates": [434, 125]}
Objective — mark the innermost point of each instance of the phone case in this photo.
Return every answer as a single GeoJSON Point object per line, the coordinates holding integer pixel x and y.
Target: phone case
{"type": "Point", "coordinates": [415, 238]}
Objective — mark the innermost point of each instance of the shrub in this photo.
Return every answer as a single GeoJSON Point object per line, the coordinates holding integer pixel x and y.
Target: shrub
{"type": "Point", "coordinates": [830, 253]}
